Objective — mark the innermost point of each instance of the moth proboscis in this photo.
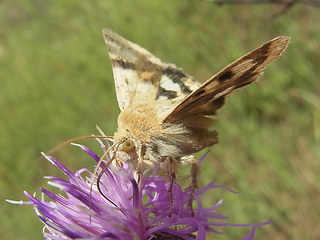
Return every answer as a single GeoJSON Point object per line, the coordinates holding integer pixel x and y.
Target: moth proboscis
{"type": "Point", "coordinates": [165, 113]}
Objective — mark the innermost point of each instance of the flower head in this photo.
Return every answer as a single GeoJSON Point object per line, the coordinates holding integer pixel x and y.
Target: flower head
{"type": "Point", "coordinates": [127, 210]}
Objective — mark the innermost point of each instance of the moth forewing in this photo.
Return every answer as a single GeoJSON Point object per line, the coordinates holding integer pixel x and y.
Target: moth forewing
{"type": "Point", "coordinates": [235, 76]}
{"type": "Point", "coordinates": [141, 77]}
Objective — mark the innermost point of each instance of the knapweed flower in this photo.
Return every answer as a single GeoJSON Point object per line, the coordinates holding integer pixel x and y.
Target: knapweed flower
{"type": "Point", "coordinates": [127, 211]}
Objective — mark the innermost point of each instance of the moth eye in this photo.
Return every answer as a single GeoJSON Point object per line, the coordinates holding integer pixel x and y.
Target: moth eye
{"type": "Point", "coordinates": [127, 146]}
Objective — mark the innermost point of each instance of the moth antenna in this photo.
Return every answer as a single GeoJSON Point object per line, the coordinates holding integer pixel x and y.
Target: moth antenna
{"type": "Point", "coordinates": [100, 175]}
{"type": "Point", "coordinates": [98, 182]}
{"type": "Point", "coordinates": [77, 139]}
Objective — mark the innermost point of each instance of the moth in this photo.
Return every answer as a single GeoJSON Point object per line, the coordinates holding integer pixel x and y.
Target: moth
{"type": "Point", "coordinates": [165, 112]}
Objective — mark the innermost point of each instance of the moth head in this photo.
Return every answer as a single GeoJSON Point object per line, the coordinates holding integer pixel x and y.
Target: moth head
{"type": "Point", "coordinates": [126, 150]}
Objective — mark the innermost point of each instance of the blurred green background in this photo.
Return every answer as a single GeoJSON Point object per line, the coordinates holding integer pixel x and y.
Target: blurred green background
{"type": "Point", "coordinates": [56, 84]}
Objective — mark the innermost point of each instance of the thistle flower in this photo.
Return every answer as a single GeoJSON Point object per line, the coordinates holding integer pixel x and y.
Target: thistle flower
{"type": "Point", "coordinates": [129, 210]}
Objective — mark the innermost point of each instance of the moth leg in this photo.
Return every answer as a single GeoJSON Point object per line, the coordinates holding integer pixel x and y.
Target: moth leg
{"type": "Point", "coordinates": [172, 177]}
{"type": "Point", "coordinates": [119, 162]}
{"type": "Point", "coordinates": [170, 169]}
{"type": "Point", "coordinates": [194, 171]}
{"type": "Point", "coordinates": [139, 172]}
{"type": "Point", "coordinates": [140, 164]}
{"type": "Point", "coordinates": [194, 174]}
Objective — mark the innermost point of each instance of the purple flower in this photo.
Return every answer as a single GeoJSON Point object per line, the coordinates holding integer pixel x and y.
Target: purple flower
{"type": "Point", "coordinates": [128, 211]}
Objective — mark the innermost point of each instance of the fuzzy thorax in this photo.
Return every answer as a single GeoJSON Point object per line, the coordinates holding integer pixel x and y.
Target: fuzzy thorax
{"type": "Point", "coordinates": [138, 121]}
{"type": "Point", "coordinates": [155, 140]}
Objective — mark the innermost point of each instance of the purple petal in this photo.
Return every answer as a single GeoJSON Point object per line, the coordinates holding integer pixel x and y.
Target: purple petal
{"type": "Point", "coordinates": [250, 236]}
